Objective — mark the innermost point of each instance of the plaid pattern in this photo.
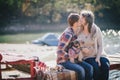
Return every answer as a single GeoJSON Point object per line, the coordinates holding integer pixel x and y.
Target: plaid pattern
{"type": "Point", "coordinates": [66, 37]}
{"type": "Point", "coordinates": [55, 75]}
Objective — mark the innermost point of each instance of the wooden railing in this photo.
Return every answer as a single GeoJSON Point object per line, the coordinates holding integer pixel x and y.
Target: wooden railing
{"type": "Point", "coordinates": [30, 62]}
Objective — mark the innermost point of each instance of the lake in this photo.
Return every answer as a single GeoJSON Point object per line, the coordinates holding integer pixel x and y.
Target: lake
{"type": "Point", "coordinates": [111, 41]}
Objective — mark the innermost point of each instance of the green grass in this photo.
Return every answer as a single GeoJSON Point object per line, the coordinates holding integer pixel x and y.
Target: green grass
{"type": "Point", "coordinates": [19, 38]}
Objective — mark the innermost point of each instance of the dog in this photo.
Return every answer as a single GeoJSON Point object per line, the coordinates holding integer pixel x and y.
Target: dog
{"type": "Point", "coordinates": [75, 51]}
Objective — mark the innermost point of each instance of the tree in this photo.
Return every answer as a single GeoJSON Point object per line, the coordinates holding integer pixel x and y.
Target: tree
{"type": "Point", "coordinates": [9, 9]}
{"type": "Point", "coordinates": [113, 5]}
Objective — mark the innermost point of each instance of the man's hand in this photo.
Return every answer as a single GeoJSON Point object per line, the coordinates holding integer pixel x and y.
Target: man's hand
{"type": "Point", "coordinates": [71, 53]}
{"type": "Point", "coordinates": [61, 59]}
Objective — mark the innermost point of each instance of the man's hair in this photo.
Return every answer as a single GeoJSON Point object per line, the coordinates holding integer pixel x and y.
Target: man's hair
{"type": "Point", "coordinates": [89, 17]}
{"type": "Point", "coordinates": [72, 18]}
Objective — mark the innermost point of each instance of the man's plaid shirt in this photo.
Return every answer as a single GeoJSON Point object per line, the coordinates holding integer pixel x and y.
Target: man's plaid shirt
{"type": "Point", "coordinates": [66, 37]}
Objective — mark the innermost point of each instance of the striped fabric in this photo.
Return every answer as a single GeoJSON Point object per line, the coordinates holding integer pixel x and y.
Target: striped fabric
{"type": "Point", "coordinates": [66, 37]}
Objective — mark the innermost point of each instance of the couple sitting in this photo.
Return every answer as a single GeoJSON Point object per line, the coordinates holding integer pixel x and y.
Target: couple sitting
{"type": "Point", "coordinates": [80, 48]}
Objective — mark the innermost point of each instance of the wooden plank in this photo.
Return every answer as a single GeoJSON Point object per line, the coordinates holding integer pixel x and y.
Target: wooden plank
{"type": "Point", "coordinates": [115, 66]}
{"type": "Point", "coordinates": [114, 61]}
{"type": "Point", "coordinates": [13, 74]}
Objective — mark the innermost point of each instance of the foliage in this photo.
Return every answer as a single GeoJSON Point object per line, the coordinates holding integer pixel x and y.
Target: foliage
{"type": "Point", "coordinates": [49, 11]}
{"type": "Point", "coordinates": [9, 9]}
{"type": "Point", "coordinates": [113, 5]}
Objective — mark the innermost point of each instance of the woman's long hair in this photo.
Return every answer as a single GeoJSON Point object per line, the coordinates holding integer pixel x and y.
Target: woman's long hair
{"type": "Point", "coordinates": [89, 17]}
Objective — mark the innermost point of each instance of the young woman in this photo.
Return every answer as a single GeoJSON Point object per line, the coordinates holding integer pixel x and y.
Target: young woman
{"type": "Point", "coordinates": [93, 46]}
{"type": "Point", "coordinates": [83, 69]}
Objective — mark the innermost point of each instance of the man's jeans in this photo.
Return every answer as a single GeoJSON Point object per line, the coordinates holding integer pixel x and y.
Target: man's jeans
{"type": "Point", "coordinates": [83, 69]}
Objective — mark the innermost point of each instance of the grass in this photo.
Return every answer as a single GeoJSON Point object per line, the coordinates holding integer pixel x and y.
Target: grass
{"type": "Point", "coordinates": [19, 38]}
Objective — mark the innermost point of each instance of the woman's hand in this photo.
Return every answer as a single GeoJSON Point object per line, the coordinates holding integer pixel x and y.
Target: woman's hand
{"type": "Point", "coordinates": [98, 61]}
{"type": "Point", "coordinates": [85, 50]}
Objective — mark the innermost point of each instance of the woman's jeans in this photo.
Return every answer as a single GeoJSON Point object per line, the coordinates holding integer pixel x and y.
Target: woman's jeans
{"type": "Point", "coordinates": [100, 72]}
{"type": "Point", "coordinates": [83, 69]}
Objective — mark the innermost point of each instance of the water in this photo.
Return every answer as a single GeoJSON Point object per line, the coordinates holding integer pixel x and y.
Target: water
{"type": "Point", "coordinates": [111, 39]}
{"type": "Point", "coordinates": [114, 75]}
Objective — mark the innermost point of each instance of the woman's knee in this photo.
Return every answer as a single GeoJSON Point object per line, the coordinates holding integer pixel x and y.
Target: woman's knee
{"type": "Point", "coordinates": [96, 68]}
{"type": "Point", "coordinates": [105, 62]}
{"type": "Point", "coordinates": [104, 59]}
{"type": "Point", "coordinates": [93, 63]}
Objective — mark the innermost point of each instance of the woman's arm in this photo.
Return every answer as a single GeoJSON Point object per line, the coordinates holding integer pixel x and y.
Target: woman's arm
{"type": "Point", "coordinates": [99, 43]}
{"type": "Point", "coordinates": [99, 46]}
